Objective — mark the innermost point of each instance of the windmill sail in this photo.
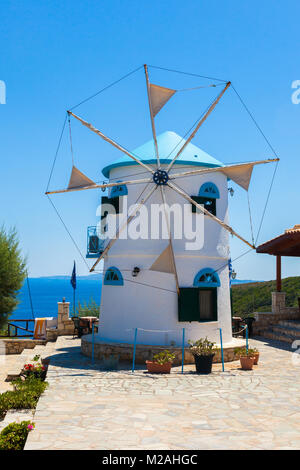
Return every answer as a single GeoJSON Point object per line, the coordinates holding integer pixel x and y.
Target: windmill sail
{"type": "Point", "coordinates": [79, 180]}
{"type": "Point", "coordinates": [240, 173]}
{"type": "Point", "coordinates": [164, 263]}
{"type": "Point", "coordinates": [159, 96]}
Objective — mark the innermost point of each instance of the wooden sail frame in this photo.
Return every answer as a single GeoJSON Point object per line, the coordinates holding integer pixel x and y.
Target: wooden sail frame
{"type": "Point", "coordinates": [152, 171]}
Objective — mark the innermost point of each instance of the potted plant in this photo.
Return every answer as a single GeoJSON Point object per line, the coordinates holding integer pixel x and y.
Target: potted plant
{"type": "Point", "coordinates": [203, 352]}
{"type": "Point", "coordinates": [246, 358]}
{"type": "Point", "coordinates": [162, 363]}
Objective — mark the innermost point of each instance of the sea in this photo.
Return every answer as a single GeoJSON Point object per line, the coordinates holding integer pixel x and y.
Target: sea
{"type": "Point", "coordinates": [45, 292]}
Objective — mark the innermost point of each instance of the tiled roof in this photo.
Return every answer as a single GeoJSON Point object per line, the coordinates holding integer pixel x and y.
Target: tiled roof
{"type": "Point", "coordinates": [286, 244]}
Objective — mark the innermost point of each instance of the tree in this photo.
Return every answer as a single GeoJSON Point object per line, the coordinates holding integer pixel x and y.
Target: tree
{"type": "Point", "coordinates": [12, 273]}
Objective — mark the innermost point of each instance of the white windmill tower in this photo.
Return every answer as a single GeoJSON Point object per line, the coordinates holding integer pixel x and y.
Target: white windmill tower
{"type": "Point", "coordinates": [156, 283]}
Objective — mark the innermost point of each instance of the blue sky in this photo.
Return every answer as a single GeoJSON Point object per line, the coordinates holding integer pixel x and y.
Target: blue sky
{"type": "Point", "coordinates": [54, 54]}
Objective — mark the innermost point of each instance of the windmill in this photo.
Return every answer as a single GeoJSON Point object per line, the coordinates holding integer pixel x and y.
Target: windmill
{"type": "Point", "coordinates": [169, 286]}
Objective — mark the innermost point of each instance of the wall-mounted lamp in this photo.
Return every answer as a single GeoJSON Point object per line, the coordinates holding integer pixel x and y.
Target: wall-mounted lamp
{"type": "Point", "coordinates": [231, 191]}
{"type": "Point", "coordinates": [233, 274]}
{"type": "Point", "coordinates": [135, 271]}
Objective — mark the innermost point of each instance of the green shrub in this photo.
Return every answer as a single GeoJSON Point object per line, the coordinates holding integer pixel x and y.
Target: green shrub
{"type": "Point", "coordinates": [163, 357]}
{"type": "Point", "coordinates": [13, 436]}
{"type": "Point", "coordinates": [24, 396]}
{"type": "Point", "coordinates": [30, 385]}
{"type": "Point", "coordinates": [90, 309]}
{"type": "Point", "coordinates": [202, 347]}
{"type": "Point", "coordinates": [242, 351]}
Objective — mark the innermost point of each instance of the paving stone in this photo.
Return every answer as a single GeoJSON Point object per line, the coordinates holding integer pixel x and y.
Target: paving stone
{"type": "Point", "coordinates": [88, 408]}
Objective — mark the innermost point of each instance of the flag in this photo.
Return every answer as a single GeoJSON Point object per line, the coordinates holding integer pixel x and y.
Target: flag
{"type": "Point", "coordinates": [230, 271]}
{"type": "Point", "coordinates": [73, 277]}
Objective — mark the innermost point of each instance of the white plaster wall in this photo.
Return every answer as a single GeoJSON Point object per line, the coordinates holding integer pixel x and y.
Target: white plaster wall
{"type": "Point", "coordinates": [135, 304]}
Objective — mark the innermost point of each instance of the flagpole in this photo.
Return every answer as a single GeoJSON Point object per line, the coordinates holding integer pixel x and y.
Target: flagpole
{"type": "Point", "coordinates": [74, 302]}
{"type": "Point", "coordinates": [73, 284]}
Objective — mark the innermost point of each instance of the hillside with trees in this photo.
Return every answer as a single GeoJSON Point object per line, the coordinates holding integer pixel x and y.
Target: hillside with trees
{"type": "Point", "coordinates": [256, 296]}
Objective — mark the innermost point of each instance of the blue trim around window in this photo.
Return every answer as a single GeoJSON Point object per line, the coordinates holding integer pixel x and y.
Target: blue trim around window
{"type": "Point", "coordinates": [209, 190]}
{"type": "Point", "coordinates": [207, 277]}
{"type": "Point", "coordinates": [117, 191]}
{"type": "Point", "coordinates": [113, 277]}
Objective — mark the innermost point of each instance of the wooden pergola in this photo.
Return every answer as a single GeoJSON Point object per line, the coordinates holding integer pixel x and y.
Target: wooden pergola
{"type": "Point", "coordinates": [286, 244]}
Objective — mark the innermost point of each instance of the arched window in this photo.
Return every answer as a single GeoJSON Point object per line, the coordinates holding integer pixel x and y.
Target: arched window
{"type": "Point", "coordinates": [117, 191]}
{"type": "Point", "coordinates": [209, 190]}
{"type": "Point", "coordinates": [207, 277]}
{"type": "Point", "coordinates": [113, 277]}
{"type": "Point", "coordinates": [208, 193]}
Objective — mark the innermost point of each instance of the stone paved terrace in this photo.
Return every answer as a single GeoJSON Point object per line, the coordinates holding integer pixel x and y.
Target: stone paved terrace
{"type": "Point", "coordinates": [86, 408]}
{"type": "Point", "coordinates": [6, 362]}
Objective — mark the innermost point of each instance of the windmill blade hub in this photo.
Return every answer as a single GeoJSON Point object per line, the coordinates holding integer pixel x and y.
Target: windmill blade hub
{"type": "Point", "coordinates": [160, 177]}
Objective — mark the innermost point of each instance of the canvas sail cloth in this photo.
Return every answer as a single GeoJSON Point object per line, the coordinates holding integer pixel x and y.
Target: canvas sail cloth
{"type": "Point", "coordinates": [159, 96]}
{"type": "Point", "coordinates": [241, 175]}
{"type": "Point", "coordinates": [164, 263]}
{"type": "Point", "coordinates": [79, 180]}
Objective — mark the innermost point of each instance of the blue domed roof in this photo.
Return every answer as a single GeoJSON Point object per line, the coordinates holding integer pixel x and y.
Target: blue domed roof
{"type": "Point", "coordinates": [168, 145]}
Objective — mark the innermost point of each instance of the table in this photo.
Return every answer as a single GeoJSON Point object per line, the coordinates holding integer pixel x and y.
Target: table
{"type": "Point", "coordinates": [87, 322]}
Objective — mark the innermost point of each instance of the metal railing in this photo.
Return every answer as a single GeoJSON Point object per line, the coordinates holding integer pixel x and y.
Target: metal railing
{"type": "Point", "coordinates": [13, 330]}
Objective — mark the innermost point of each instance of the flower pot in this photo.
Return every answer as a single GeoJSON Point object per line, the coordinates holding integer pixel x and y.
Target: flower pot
{"type": "Point", "coordinates": [156, 368]}
{"type": "Point", "coordinates": [204, 363]}
{"type": "Point", "coordinates": [256, 357]}
{"type": "Point", "coordinates": [247, 362]}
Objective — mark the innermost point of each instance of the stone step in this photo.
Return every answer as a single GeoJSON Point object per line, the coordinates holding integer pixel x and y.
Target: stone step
{"type": "Point", "coordinates": [17, 416]}
{"type": "Point", "coordinates": [290, 324]}
{"type": "Point", "coordinates": [27, 355]}
{"type": "Point", "coordinates": [286, 330]}
{"type": "Point", "coordinates": [15, 369]}
{"type": "Point", "coordinates": [28, 352]}
{"type": "Point", "coordinates": [277, 336]}
{"type": "Point", "coordinates": [13, 373]}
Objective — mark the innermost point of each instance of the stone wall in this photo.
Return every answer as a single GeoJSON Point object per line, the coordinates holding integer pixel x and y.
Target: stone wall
{"type": "Point", "coordinates": [51, 335]}
{"type": "Point", "coordinates": [278, 304]}
{"type": "Point", "coordinates": [17, 345]}
{"type": "Point", "coordinates": [145, 352]}
{"type": "Point", "coordinates": [65, 325]}
{"type": "Point", "coordinates": [279, 312]}
{"type": "Point", "coordinates": [265, 319]}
